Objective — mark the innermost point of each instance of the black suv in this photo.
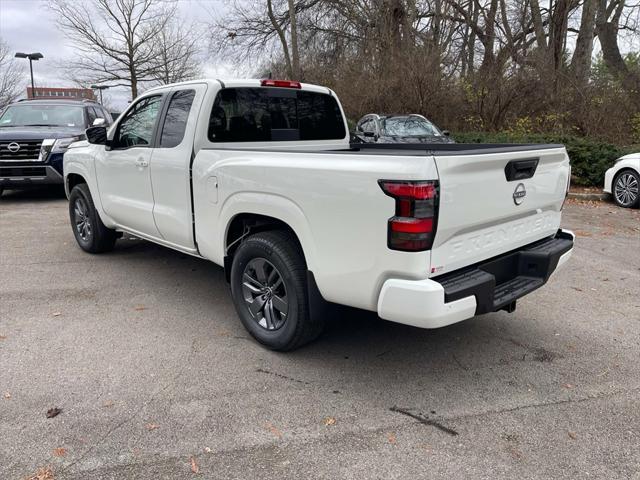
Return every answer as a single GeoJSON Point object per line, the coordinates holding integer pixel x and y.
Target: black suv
{"type": "Point", "coordinates": [34, 134]}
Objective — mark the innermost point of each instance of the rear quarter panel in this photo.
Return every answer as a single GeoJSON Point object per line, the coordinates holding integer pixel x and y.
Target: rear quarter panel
{"type": "Point", "coordinates": [332, 201]}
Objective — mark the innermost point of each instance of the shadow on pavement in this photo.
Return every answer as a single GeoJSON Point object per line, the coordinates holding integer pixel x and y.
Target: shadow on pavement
{"type": "Point", "coordinates": [42, 193]}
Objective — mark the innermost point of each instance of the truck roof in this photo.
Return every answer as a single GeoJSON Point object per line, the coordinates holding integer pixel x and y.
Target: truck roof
{"type": "Point", "coordinates": [237, 83]}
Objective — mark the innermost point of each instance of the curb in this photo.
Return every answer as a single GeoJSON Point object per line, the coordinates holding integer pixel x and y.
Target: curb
{"type": "Point", "coordinates": [598, 197]}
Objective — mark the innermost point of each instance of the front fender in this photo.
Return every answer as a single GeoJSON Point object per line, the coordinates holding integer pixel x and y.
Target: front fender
{"type": "Point", "coordinates": [81, 163]}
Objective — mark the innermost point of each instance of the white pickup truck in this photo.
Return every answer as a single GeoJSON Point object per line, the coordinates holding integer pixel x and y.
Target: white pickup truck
{"type": "Point", "coordinates": [258, 176]}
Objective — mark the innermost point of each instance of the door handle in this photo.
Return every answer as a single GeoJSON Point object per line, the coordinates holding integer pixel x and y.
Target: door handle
{"type": "Point", "coordinates": [520, 169]}
{"type": "Point", "coordinates": [141, 162]}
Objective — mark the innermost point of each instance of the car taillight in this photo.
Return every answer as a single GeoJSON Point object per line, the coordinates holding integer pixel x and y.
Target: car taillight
{"type": "Point", "coordinates": [413, 227]}
{"type": "Point", "coordinates": [280, 83]}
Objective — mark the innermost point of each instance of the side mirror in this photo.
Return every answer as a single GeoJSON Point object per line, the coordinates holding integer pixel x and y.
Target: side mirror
{"type": "Point", "coordinates": [97, 135]}
{"type": "Point", "coordinates": [98, 122]}
{"type": "Point", "coordinates": [370, 134]}
{"type": "Point", "coordinates": [446, 133]}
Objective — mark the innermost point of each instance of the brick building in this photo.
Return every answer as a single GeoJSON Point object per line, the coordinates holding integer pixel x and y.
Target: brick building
{"type": "Point", "coordinates": [46, 93]}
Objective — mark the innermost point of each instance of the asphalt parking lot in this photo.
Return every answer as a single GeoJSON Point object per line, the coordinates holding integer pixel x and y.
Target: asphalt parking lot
{"type": "Point", "coordinates": [156, 378]}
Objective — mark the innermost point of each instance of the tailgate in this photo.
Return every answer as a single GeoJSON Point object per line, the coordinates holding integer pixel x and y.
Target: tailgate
{"type": "Point", "coordinates": [492, 202]}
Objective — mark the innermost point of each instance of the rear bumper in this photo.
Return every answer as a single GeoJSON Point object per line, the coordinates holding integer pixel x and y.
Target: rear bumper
{"type": "Point", "coordinates": [492, 285]}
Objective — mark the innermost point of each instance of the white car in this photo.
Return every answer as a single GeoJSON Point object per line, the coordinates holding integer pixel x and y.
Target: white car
{"type": "Point", "coordinates": [622, 181]}
{"type": "Point", "coordinates": [258, 176]}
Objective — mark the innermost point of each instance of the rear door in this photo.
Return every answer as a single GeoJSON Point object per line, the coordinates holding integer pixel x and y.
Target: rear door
{"type": "Point", "coordinates": [495, 201]}
{"type": "Point", "coordinates": [123, 173]}
{"type": "Point", "coordinates": [171, 165]}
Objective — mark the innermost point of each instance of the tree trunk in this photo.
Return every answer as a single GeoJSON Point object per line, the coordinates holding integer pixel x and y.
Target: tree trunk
{"type": "Point", "coordinates": [608, 36]}
{"type": "Point", "coordinates": [295, 56]}
{"type": "Point", "coordinates": [281, 36]}
{"type": "Point", "coordinates": [581, 60]}
{"type": "Point", "coordinates": [541, 39]}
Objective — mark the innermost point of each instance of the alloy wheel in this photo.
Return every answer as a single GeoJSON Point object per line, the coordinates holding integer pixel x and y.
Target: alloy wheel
{"type": "Point", "coordinates": [82, 220]}
{"type": "Point", "coordinates": [265, 294]}
{"type": "Point", "coordinates": [626, 189]}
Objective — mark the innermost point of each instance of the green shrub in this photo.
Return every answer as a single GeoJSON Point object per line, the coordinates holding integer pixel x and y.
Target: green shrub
{"type": "Point", "coordinates": [589, 158]}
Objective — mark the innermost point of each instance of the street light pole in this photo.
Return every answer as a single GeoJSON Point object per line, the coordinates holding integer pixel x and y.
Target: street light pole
{"type": "Point", "coordinates": [31, 57]}
{"type": "Point", "coordinates": [33, 86]}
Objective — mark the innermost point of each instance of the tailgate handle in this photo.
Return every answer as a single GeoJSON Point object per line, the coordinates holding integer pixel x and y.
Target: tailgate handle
{"type": "Point", "coordinates": [520, 169]}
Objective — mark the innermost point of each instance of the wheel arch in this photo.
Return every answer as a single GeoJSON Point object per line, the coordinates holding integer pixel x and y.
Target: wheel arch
{"type": "Point", "coordinates": [72, 180]}
{"type": "Point", "coordinates": [246, 223]}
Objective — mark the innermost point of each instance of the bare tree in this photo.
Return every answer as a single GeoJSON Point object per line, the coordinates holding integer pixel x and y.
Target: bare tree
{"type": "Point", "coordinates": [609, 21]}
{"type": "Point", "coordinates": [486, 62]}
{"type": "Point", "coordinates": [125, 42]}
{"type": "Point", "coordinates": [178, 52]}
{"type": "Point", "coordinates": [11, 76]}
{"type": "Point", "coordinates": [262, 28]}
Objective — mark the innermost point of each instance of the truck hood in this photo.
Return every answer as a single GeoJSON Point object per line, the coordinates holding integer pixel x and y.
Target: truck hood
{"type": "Point", "coordinates": [38, 133]}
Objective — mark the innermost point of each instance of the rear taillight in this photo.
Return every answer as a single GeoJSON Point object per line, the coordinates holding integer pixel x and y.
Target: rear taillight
{"type": "Point", "coordinates": [280, 83]}
{"type": "Point", "coordinates": [413, 227]}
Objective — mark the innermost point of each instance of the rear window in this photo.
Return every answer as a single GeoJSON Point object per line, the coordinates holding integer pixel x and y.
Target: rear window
{"type": "Point", "coordinates": [175, 122]}
{"type": "Point", "coordinates": [274, 114]}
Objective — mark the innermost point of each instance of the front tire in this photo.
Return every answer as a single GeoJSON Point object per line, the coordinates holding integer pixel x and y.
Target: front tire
{"type": "Point", "coordinates": [625, 189]}
{"type": "Point", "coordinates": [90, 233]}
{"type": "Point", "coordinates": [269, 290]}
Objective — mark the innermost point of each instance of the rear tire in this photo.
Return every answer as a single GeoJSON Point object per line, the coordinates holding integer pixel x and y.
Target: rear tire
{"type": "Point", "coordinates": [90, 233]}
{"type": "Point", "coordinates": [269, 290]}
{"type": "Point", "coordinates": [625, 189]}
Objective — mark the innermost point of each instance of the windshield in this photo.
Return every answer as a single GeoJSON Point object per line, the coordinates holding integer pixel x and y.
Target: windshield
{"type": "Point", "coordinates": [409, 127]}
{"type": "Point", "coordinates": [42, 115]}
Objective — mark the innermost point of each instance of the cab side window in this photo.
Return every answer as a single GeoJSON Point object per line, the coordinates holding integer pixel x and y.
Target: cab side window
{"type": "Point", "coordinates": [137, 126]}
{"type": "Point", "coordinates": [175, 122]}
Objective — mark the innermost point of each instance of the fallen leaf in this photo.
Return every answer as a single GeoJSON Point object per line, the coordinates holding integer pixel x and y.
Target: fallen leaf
{"type": "Point", "coordinates": [59, 452]}
{"type": "Point", "coordinates": [152, 426]}
{"type": "Point", "coordinates": [568, 385]}
{"type": "Point", "coordinates": [194, 465]}
{"type": "Point", "coordinates": [139, 307]}
{"type": "Point", "coordinates": [581, 233]}
{"type": "Point", "coordinates": [515, 453]}
{"type": "Point", "coordinates": [273, 430]}
{"type": "Point", "coordinates": [56, 314]}
{"type": "Point", "coordinates": [572, 435]}
{"type": "Point", "coordinates": [43, 473]}
{"type": "Point", "coordinates": [392, 438]}
{"type": "Point", "coordinates": [7, 395]}
{"type": "Point", "coordinates": [53, 412]}
{"type": "Point", "coordinates": [3, 337]}
{"type": "Point", "coordinates": [578, 289]}
{"type": "Point", "coordinates": [107, 404]}
{"type": "Point", "coordinates": [329, 421]}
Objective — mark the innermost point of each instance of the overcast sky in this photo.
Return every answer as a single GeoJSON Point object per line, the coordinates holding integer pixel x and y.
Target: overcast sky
{"type": "Point", "coordinates": [28, 26]}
